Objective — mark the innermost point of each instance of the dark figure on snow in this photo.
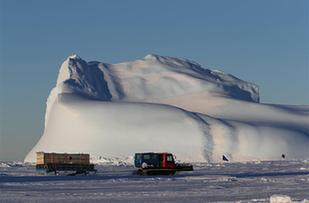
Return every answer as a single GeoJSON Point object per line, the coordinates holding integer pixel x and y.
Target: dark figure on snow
{"type": "Point", "coordinates": [224, 158]}
{"type": "Point", "coordinates": [283, 156]}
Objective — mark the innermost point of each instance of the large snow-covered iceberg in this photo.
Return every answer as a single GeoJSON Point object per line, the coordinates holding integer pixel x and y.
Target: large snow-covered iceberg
{"type": "Point", "coordinates": [166, 104]}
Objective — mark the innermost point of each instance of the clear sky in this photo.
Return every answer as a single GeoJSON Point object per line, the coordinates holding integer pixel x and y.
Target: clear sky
{"type": "Point", "coordinates": [262, 41]}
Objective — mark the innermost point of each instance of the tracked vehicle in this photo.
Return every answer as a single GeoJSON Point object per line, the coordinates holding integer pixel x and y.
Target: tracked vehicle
{"type": "Point", "coordinates": [151, 163]}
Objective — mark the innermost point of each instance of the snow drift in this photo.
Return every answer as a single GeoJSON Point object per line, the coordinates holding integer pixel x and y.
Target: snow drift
{"type": "Point", "coordinates": [166, 104]}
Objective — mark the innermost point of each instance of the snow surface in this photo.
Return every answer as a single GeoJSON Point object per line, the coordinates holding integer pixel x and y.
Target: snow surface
{"type": "Point", "coordinates": [166, 104]}
{"type": "Point", "coordinates": [262, 181]}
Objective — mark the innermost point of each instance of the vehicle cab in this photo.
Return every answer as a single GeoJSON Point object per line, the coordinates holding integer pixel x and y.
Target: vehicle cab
{"type": "Point", "coordinates": [154, 160]}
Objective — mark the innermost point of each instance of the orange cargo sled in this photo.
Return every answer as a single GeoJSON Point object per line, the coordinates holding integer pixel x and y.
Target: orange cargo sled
{"type": "Point", "coordinates": [55, 162]}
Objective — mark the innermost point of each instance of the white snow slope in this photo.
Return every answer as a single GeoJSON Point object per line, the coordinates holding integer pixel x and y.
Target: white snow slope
{"type": "Point", "coordinates": [166, 104]}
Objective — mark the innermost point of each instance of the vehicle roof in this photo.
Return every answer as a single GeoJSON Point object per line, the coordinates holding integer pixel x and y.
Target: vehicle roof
{"type": "Point", "coordinates": [153, 153]}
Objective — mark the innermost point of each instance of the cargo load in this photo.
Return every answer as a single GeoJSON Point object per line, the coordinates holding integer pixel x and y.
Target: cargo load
{"type": "Point", "coordinates": [55, 162]}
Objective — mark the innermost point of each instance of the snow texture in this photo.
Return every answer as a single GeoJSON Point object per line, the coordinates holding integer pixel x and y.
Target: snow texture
{"type": "Point", "coordinates": [166, 104]}
{"type": "Point", "coordinates": [263, 181]}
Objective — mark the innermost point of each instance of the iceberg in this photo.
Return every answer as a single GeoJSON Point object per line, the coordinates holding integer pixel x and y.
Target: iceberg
{"type": "Point", "coordinates": [161, 103]}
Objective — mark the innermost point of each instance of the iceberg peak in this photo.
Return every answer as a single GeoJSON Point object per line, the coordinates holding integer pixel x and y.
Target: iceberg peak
{"type": "Point", "coordinates": [74, 56]}
{"type": "Point", "coordinates": [152, 56]}
{"type": "Point", "coordinates": [167, 76]}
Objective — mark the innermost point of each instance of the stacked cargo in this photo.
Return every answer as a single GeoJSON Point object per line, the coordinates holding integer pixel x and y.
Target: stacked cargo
{"type": "Point", "coordinates": [54, 162]}
{"type": "Point", "coordinates": [57, 158]}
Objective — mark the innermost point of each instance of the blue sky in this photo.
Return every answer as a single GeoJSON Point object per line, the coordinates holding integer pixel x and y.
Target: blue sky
{"type": "Point", "coordinates": [264, 41]}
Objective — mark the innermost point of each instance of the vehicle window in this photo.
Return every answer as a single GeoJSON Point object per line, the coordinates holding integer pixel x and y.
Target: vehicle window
{"type": "Point", "coordinates": [169, 158]}
{"type": "Point", "coordinates": [146, 156]}
{"type": "Point", "coordinates": [138, 156]}
{"type": "Point", "coordinates": [155, 157]}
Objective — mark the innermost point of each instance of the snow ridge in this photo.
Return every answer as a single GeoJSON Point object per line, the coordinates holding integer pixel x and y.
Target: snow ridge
{"type": "Point", "coordinates": [141, 79]}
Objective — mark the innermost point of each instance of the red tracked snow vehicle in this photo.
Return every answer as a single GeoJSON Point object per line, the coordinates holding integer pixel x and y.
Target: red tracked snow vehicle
{"type": "Point", "coordinates": [151, 163]}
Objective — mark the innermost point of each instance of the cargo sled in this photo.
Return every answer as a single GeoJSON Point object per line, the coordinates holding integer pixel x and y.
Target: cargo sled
{"type": "Point", "coordinates": [56, 162]}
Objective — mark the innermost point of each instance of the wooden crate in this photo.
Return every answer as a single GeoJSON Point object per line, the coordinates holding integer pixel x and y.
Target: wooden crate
{"type": "Point", "coordinates": [62, 158]}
